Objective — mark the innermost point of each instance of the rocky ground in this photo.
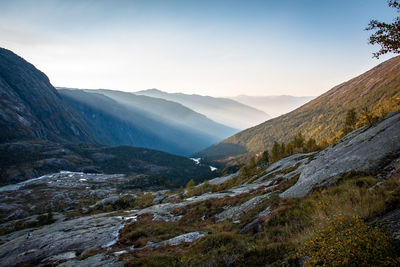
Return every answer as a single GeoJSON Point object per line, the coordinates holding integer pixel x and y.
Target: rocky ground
{"type": "Point", "coordinates": [94, 239]}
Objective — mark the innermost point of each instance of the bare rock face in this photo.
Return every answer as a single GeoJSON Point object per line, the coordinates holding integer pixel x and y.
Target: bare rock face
{"type": "Point", "coordinates": [60, 241]}
{"type": "Point", "coordinates": [99, 260]}
{"type": "Point", "coordinates": [256, 225]}
{"type": "Point", "coordinates": [235, 213]}
{"type": "Point", "coordinates": [176, 241]}
{"type": "Point", "coordinates": [365, 150]}
{"type": "Point", "coordinates": [30, 106]}
{"type": "Point", "coordinates": [391, 223]}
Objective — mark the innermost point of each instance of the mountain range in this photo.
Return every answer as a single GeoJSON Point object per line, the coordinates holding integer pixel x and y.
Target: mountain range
{"type": "Point", "coordinates": [320, 118]}
{"type": "Point", "coordinates": [222, 110]}
{"type": "Point", "coordinates": [43, 130]}
{"type": "Point", "coordinates": [119, 119]}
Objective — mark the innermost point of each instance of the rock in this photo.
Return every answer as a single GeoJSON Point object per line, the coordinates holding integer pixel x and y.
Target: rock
{"type": "Point", "coordinates": [365, 150]}
{"type": "Point", "coordinates": [107, 201]}
{"type": "Point", "coordinates": [256, 225]}
{"type": "Point", "coordinates": [160, 196]}
{"type": "Point", "coordinates": [17, 214]}
{"type": "Point", "coordinates": [223, 179]}
{"type": "Point", "coordinates": [60, 191]}
{"type": "Point", "coordinates": [178, 240]}
{"type": "Point", "coordinates": [236, 212]}
{"type": "Point", "coordinates": [391, 223]}
{"type": "Point", "coordinates": [55, 241]}
{"type": "Point", "coordinates": [99, 260]}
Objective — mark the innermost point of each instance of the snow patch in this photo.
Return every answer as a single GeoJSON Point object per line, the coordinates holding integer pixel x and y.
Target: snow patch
{"type": "Point", "coordinates": [196, 160]}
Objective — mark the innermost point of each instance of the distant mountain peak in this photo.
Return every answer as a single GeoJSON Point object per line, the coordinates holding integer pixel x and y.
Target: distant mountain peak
{"type": "Point", "coordinates": [152, 90]}
{"type": "Point", "coordinates": [222, 110]}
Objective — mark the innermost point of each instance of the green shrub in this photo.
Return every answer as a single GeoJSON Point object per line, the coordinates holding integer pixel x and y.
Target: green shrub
{"type": "Point", "coordinates": [144, 201]}
{"type": "Point", "coordinates": [348, 243]}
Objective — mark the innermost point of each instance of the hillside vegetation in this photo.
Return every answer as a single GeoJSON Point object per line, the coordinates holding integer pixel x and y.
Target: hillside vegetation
{"type": "Point", "coordinates": [321, 118]}
{"type": "Point", "coordinates": [20, 161]}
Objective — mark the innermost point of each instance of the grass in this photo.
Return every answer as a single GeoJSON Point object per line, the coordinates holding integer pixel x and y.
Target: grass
{"type": "Point", "coordinates": [287, 233]}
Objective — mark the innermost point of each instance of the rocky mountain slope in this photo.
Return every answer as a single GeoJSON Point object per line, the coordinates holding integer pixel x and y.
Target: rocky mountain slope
{"type": "Point", "coordinates": [30, 107]}
{"type": "Point", "coordinates": [222, 110]}
{"type": "Point", "coordinates": [231, 220]}
{"type": "Point", "coordinates": [320, 118]}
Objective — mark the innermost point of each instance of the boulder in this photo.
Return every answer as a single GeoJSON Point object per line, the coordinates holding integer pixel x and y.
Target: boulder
{"type": "Point", "coordinates": [365, 150]}
{"type": "Point", "coordinates": [59, 240]}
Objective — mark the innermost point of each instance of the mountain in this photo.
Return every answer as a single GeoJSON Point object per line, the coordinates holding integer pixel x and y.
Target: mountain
{"type": "Point", "coordinates": [171, 112]}
{"type": "Point", "coordinates": [274, 105]}
{"type": "Point", "coordinates": [43, 131]}
{"type": "Point", "coordinates": [222, 110]}
{"type": "Point", "coordinates": [120, 124]}
{"type": "Point", "coordinates": [30, 107]}
{"type": "Point", "coordinates": [320, 118]}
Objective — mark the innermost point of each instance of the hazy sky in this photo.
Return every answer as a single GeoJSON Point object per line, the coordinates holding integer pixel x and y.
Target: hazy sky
{"type": "Point", "coordinates": [217, 48]}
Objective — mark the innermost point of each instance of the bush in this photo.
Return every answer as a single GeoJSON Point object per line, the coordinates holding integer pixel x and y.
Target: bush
{"type": "Point", "coordinates": [144, 201]}
{"type": "Point", "coordinates": [348, 243]}
{"type": "Point", "coordinates": [45, 219]}
{"type": "Point", "coordinates": [222, 249]}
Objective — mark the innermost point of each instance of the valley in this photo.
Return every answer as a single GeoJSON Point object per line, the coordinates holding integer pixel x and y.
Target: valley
{"type": "Point", "coordinates": [268, 137]}
{"type": "Point", "coordinates": [110, 225]}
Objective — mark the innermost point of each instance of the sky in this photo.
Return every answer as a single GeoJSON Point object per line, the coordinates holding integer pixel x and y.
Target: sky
{"type": "Point", "coordinates": [216, 47]}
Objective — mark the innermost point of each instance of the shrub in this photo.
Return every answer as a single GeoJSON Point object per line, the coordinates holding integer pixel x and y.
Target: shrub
{"type": "Point", "coordinates": [154, 260]}
{"type": "Point", "coordinates": [45, 219]}
{"type": "Point", "coordinates": [222, 249]}
{"type": "Point", "coordinates": [144, 201]}
{"type": "Point", "coordinates": [348, 243]}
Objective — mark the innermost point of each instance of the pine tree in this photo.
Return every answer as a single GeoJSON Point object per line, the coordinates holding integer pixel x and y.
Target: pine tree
{"type": "Point", "coordinates": [190, 185]}
{"type": "Point", "coordinates": [264, 159]}
{"type": "Point", "coordinates": [276, 151]}
{"type": "Point", "coordinates": [350, 121]}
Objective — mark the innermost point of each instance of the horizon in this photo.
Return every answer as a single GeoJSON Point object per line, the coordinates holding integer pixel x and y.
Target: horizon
{"type": "Point", "coordinates": [178, 92]}
{"type": "Point", "coordinates": [214, 48]}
